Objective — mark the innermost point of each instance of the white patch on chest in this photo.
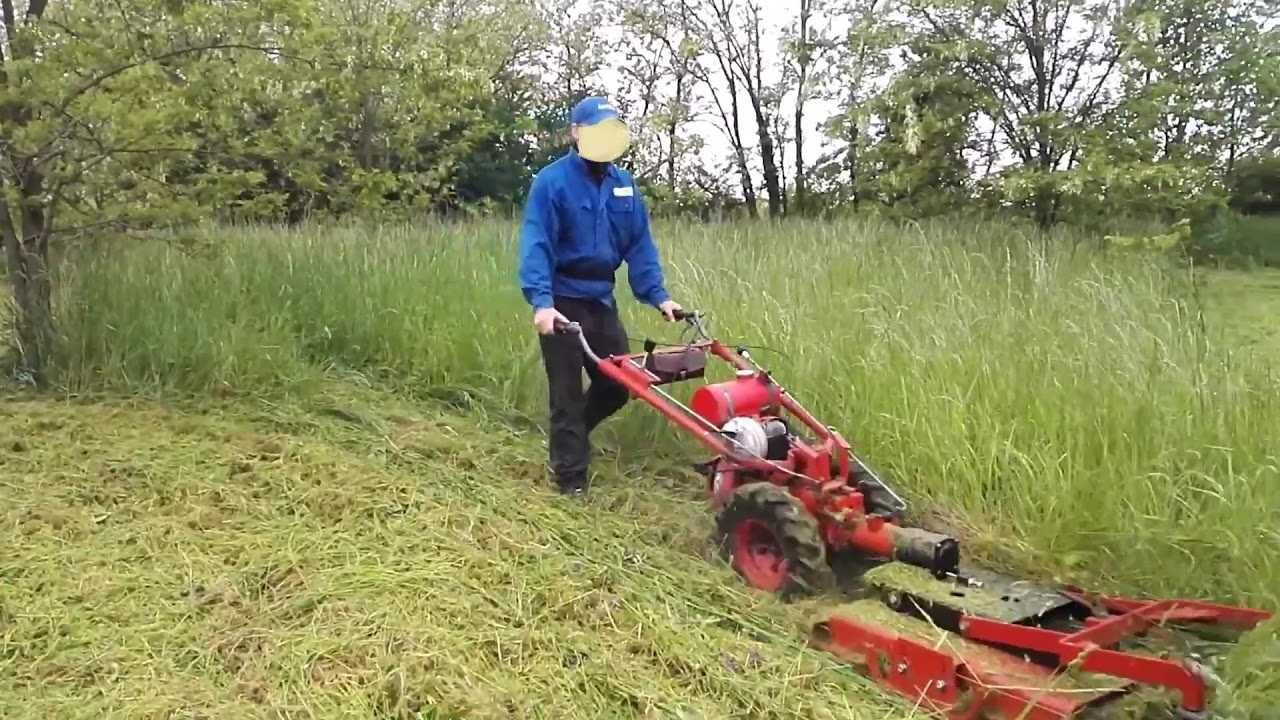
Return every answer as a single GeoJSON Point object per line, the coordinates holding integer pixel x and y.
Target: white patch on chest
{"type": "Point", "coordinates": [623, 191]}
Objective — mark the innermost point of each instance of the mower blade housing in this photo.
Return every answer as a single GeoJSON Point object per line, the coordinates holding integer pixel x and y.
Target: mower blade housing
{"type": "Point", "coordinates": [978, 642]}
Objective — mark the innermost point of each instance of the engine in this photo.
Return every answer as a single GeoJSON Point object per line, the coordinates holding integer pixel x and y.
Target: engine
{"type": "Point", "coordinates": [767, 438]}
{"type": "Point", "coordinates": [750, 394]}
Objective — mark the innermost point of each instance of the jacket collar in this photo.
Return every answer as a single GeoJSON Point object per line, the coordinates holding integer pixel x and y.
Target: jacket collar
{"type": "Point", "coordinates": [580, 165]}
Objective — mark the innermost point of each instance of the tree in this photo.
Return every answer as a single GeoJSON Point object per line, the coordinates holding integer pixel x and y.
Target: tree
{"type": "Point", "coordinates": [127, 114]}
{"type": "Point", "coordinates": [525, 123]}
{"type": "Point", "coordinates": [567, 65]}
{"type": "Point", "coordinates": [724, 97]}
{"type": "Point", "coordinates": [660, 76]}
{"type": "Point", "coordinates": [733, 34]}
{"type": "Point", "coordinates": [926, 119]}
{"type": "Point", "coordinates": [1254, 184]}
{"type": "Point", "coordinates": [1195, 78]}
{"type": "Point", "coordinates": [856, 64]}
{"type": "Point", "coordinates": [1047, 66]}
{"type": "Point", "coordinates": [91, 95]}
{"type": "Point", "coordinates": [574, 50]}
{"type": "Point", "coordinates": [808, 45]}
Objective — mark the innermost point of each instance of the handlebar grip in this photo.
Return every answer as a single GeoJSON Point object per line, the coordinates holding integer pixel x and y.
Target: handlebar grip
{"type": "Point", "coordinates": [685, 314]}
{"type": "Point", "coordinates": [564, 327]}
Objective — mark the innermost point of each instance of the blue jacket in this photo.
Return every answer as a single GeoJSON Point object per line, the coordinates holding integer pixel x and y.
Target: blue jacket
{"type": "Point", "coordinates": [576, 235]}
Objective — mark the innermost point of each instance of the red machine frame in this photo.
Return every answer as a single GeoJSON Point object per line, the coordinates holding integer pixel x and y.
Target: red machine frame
{"type": "Point", "coordinates": [993, 674]}
{"type": "Point", "coordinates": [816, 475]}
{"type": "Point", "coordinates": [961, 683]}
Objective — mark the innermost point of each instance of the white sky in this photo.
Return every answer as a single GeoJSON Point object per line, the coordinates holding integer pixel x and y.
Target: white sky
{"type": "Point", "coordinates": [776, 16]}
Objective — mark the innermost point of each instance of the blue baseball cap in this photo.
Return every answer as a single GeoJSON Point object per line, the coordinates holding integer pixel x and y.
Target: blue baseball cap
{"type": "Point", "coordinates": [592, 111]}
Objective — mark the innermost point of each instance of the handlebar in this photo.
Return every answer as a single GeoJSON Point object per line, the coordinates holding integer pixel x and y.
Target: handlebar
{"type": "Point", "coordinates": [567, 327]}
{"type": "Point", "coordinates": [563, 327]}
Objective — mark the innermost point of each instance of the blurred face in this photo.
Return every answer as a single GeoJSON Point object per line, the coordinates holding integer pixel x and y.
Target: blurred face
{"type": "Point", "coordinates": [602, 142]}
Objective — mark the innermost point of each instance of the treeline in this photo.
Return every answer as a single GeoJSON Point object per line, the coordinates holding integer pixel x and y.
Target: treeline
{"type": "Point", "coordinates": [136, 113]}
{"type": "Point", "coordinates": [280, 109]}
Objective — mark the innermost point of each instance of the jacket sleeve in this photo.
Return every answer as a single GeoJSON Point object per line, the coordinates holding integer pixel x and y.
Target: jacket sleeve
{"type": "Point", "coordinates": [537, 245]}
{"type": "Point", "coordinates": [644, 272]}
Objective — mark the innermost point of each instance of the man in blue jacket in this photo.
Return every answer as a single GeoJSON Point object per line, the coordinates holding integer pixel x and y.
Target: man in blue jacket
{"type": "Point", "coordinates": [584, 217]}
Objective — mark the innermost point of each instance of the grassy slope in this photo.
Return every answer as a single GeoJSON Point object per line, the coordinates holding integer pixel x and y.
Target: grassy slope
{"type": "Point", "coordinates": [275, 561]}
{"type": "Point", "coordinates": [309, 582]}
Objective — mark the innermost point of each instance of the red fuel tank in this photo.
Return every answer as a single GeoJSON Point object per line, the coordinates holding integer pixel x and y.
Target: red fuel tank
{"type": "Point", "coordinates": [748, 394]}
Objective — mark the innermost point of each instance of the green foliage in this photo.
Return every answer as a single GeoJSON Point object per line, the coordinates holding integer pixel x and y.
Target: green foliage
{"type": "Point", "coordinates": [279, 110]}
{"type": "Point", "coordinates": [916, 164]}
{"type": "Point", "coordinates": [384, 125]}
{"type": "Point", "coordinates": [1139, 115]}
{"type": "Point", "coordinates": [1254, 184]}
{"type": "Point", "coordinates": [1194, 75]}
{"type": "Point", "coordinates": [107, 97]}
{"type": "Point", "coordinates": [266, 111]}
{"type": "Point", "coordinates": [1176, 241]}
{"type": "Point", "coordinates": [1223, 237]}
{"type": "Point", "coordinates": [1212, 235]}
{"type": "Point", "coordinates": [152, 113]}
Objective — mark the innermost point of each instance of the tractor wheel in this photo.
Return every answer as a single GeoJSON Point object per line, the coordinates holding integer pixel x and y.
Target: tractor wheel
{"type": "Point", "coordinates": [773, 542]}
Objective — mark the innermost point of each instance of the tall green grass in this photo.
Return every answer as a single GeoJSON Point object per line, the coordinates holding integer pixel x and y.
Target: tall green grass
{"type": "Point", "coordinates": [1065, 411]}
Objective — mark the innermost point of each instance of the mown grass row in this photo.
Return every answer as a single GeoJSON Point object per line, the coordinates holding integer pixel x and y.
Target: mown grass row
{"type": "Point", "coordinates": [266, 560]}
{"type": "Point", "coordinates": [1070, 413]}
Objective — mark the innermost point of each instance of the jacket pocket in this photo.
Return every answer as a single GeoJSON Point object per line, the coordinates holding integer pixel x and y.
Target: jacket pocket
{"type": "Point", "coordinates": [621, 222]}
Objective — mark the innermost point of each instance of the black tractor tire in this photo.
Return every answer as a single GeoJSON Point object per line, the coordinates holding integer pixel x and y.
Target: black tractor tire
{"type": "Point", "coordinates": [771, 513]}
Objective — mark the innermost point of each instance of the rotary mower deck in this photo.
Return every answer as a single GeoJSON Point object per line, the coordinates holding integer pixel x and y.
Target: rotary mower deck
{"type": "Point", "coordinates": [963, 643]}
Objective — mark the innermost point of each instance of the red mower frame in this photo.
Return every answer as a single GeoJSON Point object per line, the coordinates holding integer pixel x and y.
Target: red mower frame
{"type": "Point", "coordinates": [962, 682]}
{"type": "Point", "coordinates": [817, 474]}
{"type": "Point", "coordinates": [985, 669]}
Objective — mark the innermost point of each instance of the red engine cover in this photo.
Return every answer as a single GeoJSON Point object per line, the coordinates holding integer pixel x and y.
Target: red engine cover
{"type": "Point", "coordinates": [743, 396]}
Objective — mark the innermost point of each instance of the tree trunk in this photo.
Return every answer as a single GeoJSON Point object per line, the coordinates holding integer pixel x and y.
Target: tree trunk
{"type": "Point", "coordinates": [366, 131]}
{"type": "Point", "coordinates": [672, 129]}
{"type": "Point", "coordinates": [768, 160]}
{"type": "Point", "coordinates": [851, 160]}
{"type": "Point", "coordinates": [27, 254]}
{"type": "Point", "coordinates": [25, 234]}
{"type": "Point", "coordinates": [1046, 207]}
{"type": "Point", "coordinates": [748, 186]}
{"type": "Point", "coordinates": [802, 184]}
{"type": "Point", "coordinates": [753, 78]}
{"type": "Point", "coordinates": [1046, 199]}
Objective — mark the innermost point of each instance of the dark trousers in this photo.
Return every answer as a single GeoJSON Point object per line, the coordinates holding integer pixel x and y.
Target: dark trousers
{"type": "Point", "coordinates": [575, 412]}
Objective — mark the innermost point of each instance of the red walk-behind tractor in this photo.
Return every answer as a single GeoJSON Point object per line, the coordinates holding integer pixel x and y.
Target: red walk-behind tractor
{"type": "Point", "coordinates": [960, 642]}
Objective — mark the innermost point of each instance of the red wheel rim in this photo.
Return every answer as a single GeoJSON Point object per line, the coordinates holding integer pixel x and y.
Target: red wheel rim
{"type": "Point", "coordinates": [759, 556]}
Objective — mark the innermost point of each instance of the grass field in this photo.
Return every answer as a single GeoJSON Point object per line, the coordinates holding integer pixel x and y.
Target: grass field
{"type": "Point", "coordinates": [261, 560]}
{"type": "Point", "coordinates": [325, 491]}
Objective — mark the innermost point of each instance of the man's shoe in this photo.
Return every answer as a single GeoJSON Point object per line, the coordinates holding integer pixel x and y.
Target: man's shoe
{"type": "Point", "coordinates": [573, 487]}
